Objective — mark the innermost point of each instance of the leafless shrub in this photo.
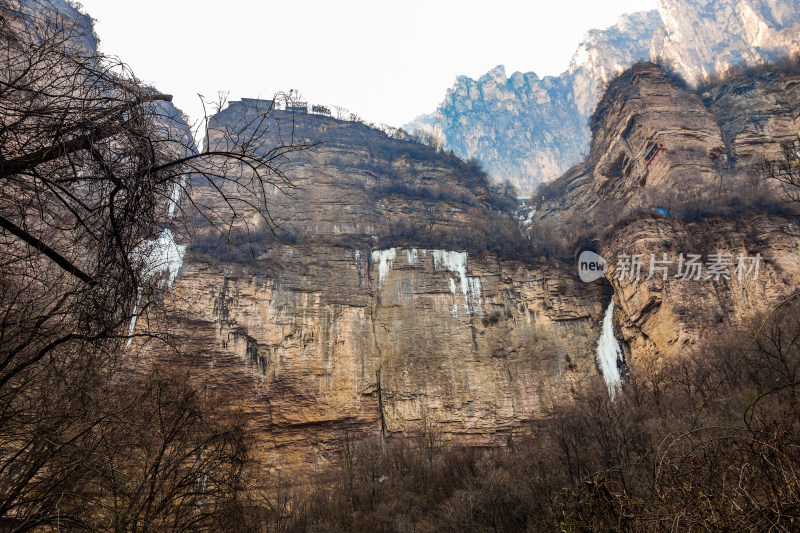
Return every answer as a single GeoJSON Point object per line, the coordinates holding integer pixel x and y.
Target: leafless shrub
{"type": "Point", "coordinates": [95, 166]}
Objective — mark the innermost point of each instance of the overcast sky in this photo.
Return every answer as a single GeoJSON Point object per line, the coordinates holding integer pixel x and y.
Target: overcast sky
{"type": "Point", "coordinates": [388, 62]}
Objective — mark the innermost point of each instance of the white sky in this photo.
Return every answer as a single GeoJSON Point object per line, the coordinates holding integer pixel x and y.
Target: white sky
{"type": "Point", "coordinates": [386, 61]}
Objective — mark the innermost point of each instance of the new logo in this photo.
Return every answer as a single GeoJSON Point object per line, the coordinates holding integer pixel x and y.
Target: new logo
{"type": "Point", "coordinates": [591, 266]}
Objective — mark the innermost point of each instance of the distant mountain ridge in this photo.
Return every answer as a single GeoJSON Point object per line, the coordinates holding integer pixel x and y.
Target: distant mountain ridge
{"type": "Point", "coordinates": [51, 11]}
{"type": "Point", "coordinates": [528, 130]}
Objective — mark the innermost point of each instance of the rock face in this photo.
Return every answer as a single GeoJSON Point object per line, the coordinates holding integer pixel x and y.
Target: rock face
{"type": "Point", "coordinates": [658, 143]}
{"type": "Point", "coordinates": [389, 299]}
{"type": "Point", "coordinates": [603, 54]}
{"type": "Point", "coordinates": [702, 37]}
{"type": "Point", "coordinates": [527, 130]}
{"type": "Point", "coordinates": [358, 183]}
{"type": "Point", "coordinates": [67, 14]}
{"type": "Point", "coordinates": [757, 114]}
{"type": "Point", "coordinates": [381, 342]}
{"type": "Point", "coordinates": [709, 144]}
{"type": "Point", "coordinates": [516, 127]}
{"type": "Point", "coordinates": [392, 304]}
{"type": "Point", "coordinates": [341, 332]}
{"type": "Point", "coordinates": [650, 137]}
{"type": "Point", "coordinates": [662, 319]}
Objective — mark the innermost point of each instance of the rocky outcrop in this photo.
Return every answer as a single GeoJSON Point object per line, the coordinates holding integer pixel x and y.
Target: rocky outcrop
{"type": "Point", "coordinates": [657, 143]}
{"type": "Point", "coordinates": [660, 151]}
{"type": "Point", "coordinates": [703, 37]}
{"type": "Point", "coordinates": [356, 185]}
{"type": "Point", "coordinates": [392, 298]}
{"type": "Point", "coordinates": [604, 54]}
{"type": "Point", "coordinates": [348, 328]}
{"type": "Point", "coordinates": [652, 137]}
{"type": "Point", "coordinates": [758, 113]}
{"type": "Point", "coordinates": [527, 130]}
{"type": "Point", "coordinates": [61, 12]}
{"type": "Point", "coordinates": [516, 127]}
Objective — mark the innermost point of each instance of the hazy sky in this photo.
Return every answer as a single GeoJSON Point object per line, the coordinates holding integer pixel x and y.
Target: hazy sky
{"type": "Point", "coordinates": [388, 62]}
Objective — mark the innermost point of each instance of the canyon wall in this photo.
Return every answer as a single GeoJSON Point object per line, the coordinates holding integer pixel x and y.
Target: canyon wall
{"type": "Point", "coordinates": [338, 329]}
{"type": "Point", "coordinates": [379, 343]}
{"type": "Point", "coordinates": [667, 319]}
{"type": "Point", "coordinates": [390, 300]}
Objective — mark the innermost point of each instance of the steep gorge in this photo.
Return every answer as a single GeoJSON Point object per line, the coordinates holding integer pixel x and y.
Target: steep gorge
{"type": "Point", "coordinates": [357, 322]}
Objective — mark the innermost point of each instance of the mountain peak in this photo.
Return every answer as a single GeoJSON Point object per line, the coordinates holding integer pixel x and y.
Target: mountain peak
{"type": "Point", "coordinates": [497, 74]}
{"type": "Point", "coordinates": [528, 131]}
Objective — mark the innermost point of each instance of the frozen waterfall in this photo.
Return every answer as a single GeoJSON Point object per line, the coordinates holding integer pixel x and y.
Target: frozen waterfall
{"type": "Point", "coordinates": [609, 353]}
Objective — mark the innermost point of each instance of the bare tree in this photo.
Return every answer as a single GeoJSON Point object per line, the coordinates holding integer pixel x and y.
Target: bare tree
{"type": "Point", "coordinates": [92, 167]}
{"type": "Point", "coordinates": [169, 458]}
{"type": "Point", "coordinates": [786, 171]}
{"type": "Point", "coordinates": [341, 112]}
{"type": "Point", "coordinates": [320, 110]}
{"type": "Point", "coordinates": [95, 169]}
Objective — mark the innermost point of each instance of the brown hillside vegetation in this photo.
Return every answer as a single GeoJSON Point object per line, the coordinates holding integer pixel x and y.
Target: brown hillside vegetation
{"type": "Point", "coordinates": [708, 443]}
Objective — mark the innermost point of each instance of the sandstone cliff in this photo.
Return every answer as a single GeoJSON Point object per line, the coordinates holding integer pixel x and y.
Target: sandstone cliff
{"type": "Point", "coordinates": [395, 298]}
{"type": "Point", "coordinates": [673, 173]}
{"type": "Point", "coordinates": [757, 113]}
{"type": "Point", "coordinates": [347, 327]}
{"type": "Point", "coordinates": [652, 136]}
{"type": "Point", "coordinates": [656, 142]}
{"type": "Point", "coordinates": [673, 318]}
{"type": "Point", "coordinates": [343, 340]}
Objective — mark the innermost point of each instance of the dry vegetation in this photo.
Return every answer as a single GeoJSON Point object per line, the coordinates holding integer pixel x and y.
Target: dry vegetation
{"type": "Point", "coordinates": [771, 187]}
{"type": "Point", "coordinates": [707, 443]}
{"type": "Point", "coordinates": [90, 161]}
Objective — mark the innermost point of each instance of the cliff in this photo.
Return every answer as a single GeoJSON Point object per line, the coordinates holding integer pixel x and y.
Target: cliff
{"type": "Point", "coordinates": [398, 293]}
{"type": "Point", "coordinates": [651, 137]}
{"type": "Point", "coordinates": [60, 12]}
{"type": "Point", "coordinates": [345, 327]}
{"type": "Point", "coordinates": [346, 340]}
{"type": "Point", "coordinates": [527, 130]}
{"type": "Point", "coordinates": [394, 292]}
{"type": "Point", "coordinates": [757, 113]}
{"type": "Point", "coordinates": [656, 142]}
{"type": "Point", "coordinates": [674, 318]}
{"type": "Point", "coordinates": [703, 37]}
{"type": "Point", "coordinates": [521, 128]}
{"type": "Point", "coordinates": [675, 171]}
